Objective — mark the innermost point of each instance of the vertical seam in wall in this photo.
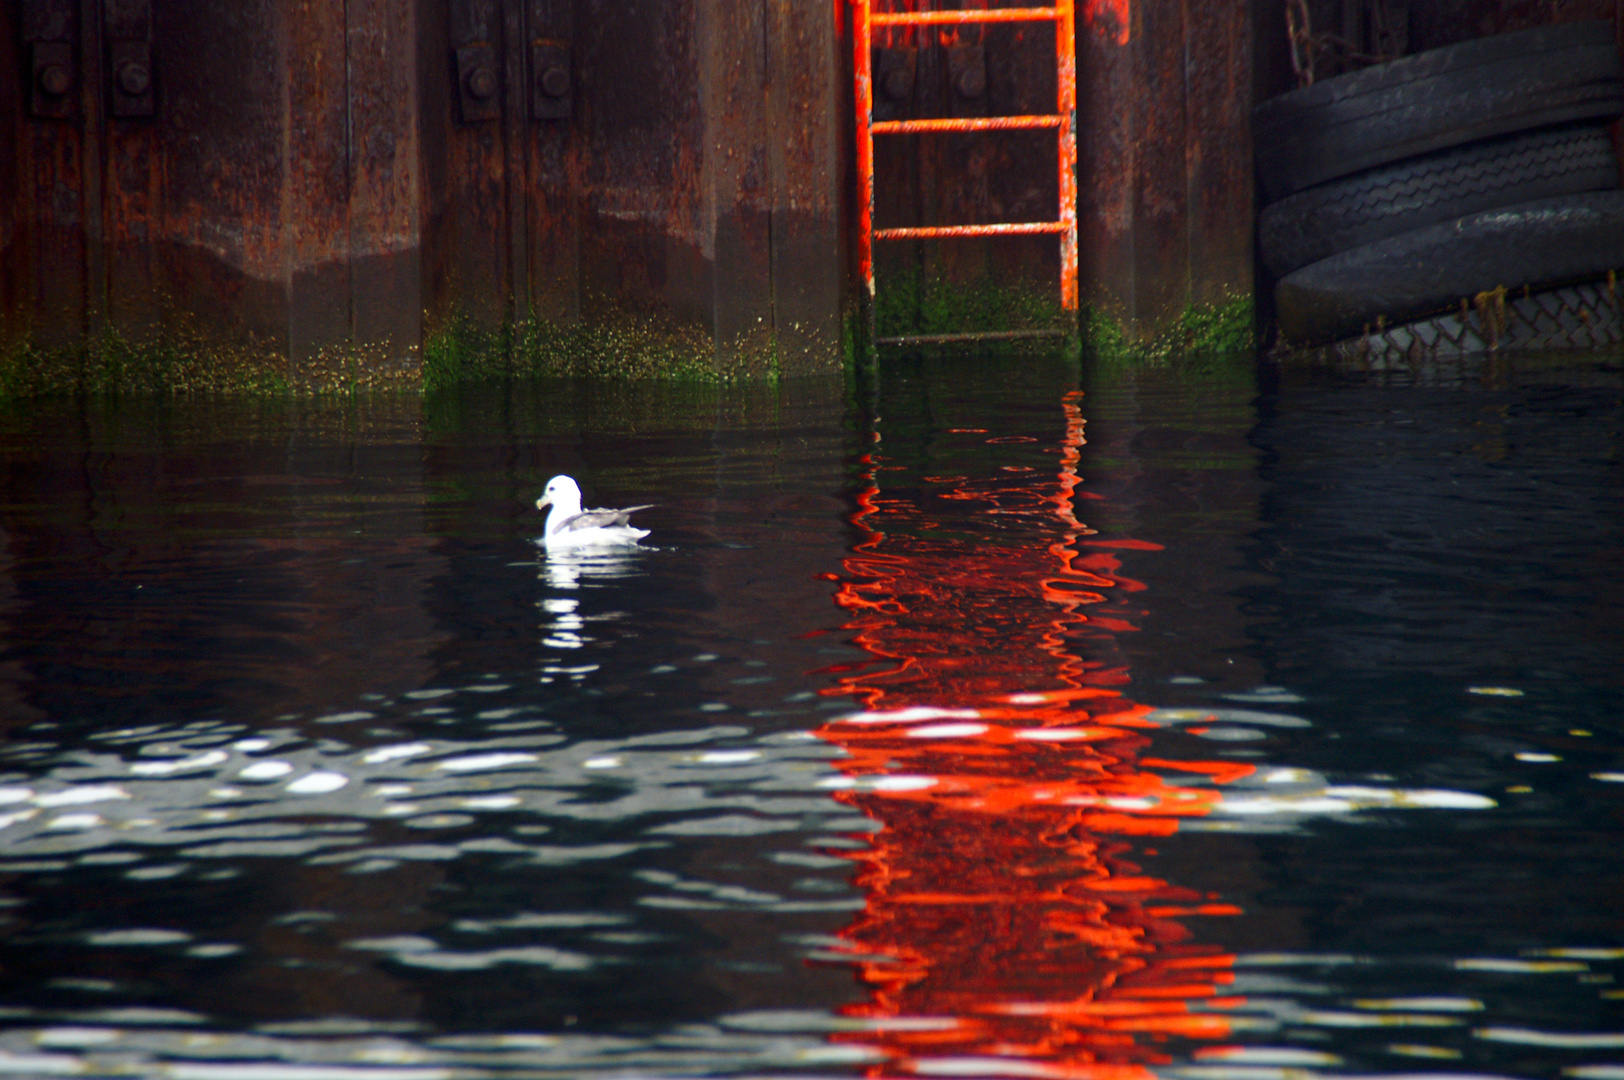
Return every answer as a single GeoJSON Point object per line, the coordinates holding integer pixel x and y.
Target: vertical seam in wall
{"type": "Point", "coordinates": [775, 154]}
{"type": "Point", "coordinates": [285, 128]}
{"type": "Point", "coordinates": [1130, 166]}
{"type": "Point", "coordinates": [515, 131]}
{"type": "Point", "coordinates": [93, 153]}
{"type": "Point", "coordinates": [1191, 194]}
{"type": "Point", "coordinates": [350, 158]}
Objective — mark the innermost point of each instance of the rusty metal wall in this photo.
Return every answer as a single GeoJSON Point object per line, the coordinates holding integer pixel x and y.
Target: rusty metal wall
{"type": "Point", "coordinates": [13, 284]}
{"type": "Point", "coordinates": [1343, 35]}
{"type": "Point", "coordinates": [261, 193]}
{"type": "Point", "coordinates": [320, 180]}
{"type": "Point", "coordinates": [695, 176]}
{"type": "Point", "coordinates": [314, 179]}
{"type": "Point", "coordinates": [1165, 208]}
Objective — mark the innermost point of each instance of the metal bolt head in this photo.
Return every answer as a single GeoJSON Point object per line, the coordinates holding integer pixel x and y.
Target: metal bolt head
{"type": "Point", "coordinates": [555, 81]}
{"type": "Point", "coordinates": [55, 79]}
{"type": "Point", "coordinates": [134, 79]}
{"type": "Point", "coordinates": [481, 83]}
{"type": "Point", "coordinates": [972, 81]}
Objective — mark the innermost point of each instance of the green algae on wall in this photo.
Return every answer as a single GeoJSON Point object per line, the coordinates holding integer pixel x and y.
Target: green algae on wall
{"type": "Point", "coordinates": [626, 346]}
{"type": "Point", "coordinates": [1200, 329]}
{"type": "Point", "coordinates": [910, 305]}
{"type": "Point", "coordinates": [182, 361]}
{"type": "Point", "coordinates": [112, 364]}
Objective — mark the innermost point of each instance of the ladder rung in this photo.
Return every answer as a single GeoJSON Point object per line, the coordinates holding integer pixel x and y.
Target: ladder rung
{"type": "Point", "coordinates": [972, 15]}
{"type": "Point", "coordinates": [1010, 228]}
{"type": "Point", "coordinates": [979, 335]}
{"type": "Point", "coordinates": [966, 123]}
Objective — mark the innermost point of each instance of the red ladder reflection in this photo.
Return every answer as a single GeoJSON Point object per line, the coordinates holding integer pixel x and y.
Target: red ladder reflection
{"type": "Point", "coordinates": [1005, 915]}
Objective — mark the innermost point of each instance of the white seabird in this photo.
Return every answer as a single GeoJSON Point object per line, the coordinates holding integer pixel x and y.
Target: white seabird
{"type": "Point", "coordinates": [569, 526]}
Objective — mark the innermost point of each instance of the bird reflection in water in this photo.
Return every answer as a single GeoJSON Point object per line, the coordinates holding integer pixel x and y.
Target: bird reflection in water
{"type": "Point", "coordinates": [1007, 924]}
{"type": "Point", "coordinates": [568, 571]}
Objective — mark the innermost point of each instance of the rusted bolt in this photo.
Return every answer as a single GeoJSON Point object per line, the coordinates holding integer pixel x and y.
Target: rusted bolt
{"type": "Point", "coordinates": [55, 79]}
{"type": "Point", "coordinates": [481, 83]}
{"type": "Point", "coordinates": [134, 78]}
{"type": "Point", "coordinates": [555, 81]}
{"type": "Point", "coordinates": [898, 83]}
{"type": "Point", "coordinates": [972, 81]}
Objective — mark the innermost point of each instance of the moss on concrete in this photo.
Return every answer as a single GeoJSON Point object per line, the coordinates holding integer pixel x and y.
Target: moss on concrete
{"type": "Point", "coordinates": [627, 346]}
{"type": "Point", "coordinates": [182, 361]}
{"type": "Point", "coordinates": [907, 305]}
{"type": "Point", "coordinates": [1200, 329]}
{"type": "Point", "coordinates": [945, 308]}
{"type": "Point", "coordinates": [112, 364]}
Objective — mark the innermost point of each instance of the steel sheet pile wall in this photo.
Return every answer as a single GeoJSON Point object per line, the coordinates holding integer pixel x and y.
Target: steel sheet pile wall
{"type": "Point", "coordinates": [1165, 212]}
{"type": "Point", "coordinates": [263, 201]}
{"type": "Point", "coordinates": [319, 189]}
{"type": "Point", "coordinates": [321, 193]}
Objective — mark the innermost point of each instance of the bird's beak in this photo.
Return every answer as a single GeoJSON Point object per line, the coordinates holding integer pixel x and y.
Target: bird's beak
{"type": "Point", "coordinates": [543, 502]}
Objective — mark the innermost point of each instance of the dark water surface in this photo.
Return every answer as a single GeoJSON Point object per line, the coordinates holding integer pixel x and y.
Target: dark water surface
{"type": "Point", "coordinates": [995, 720]}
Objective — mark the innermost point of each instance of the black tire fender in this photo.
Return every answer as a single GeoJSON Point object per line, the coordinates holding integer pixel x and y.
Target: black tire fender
{"type": "Point", "coordinates": [1436, 99]}
{"type": "Point", "coordinates": [1322, 221]}
{"type": "Point", "coordinates": [1429, 270]}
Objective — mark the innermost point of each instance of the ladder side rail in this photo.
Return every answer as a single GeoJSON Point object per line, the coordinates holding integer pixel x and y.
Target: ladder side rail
{"type": "Point", "coordinates": [1066, 106]}
{"type": "Point", "coordinates": [863, 60]}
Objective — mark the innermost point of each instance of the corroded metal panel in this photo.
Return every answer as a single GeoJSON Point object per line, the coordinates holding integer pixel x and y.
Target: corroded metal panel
{"type": "Point", "coordinates": [305, 177]}
{"type": "Point", "coordinates": [1218, 77]}
{"type": "Point", "coordinates": [738, 178]}
{"type": "Point", "coordinates": [1158, 109]}
{"type": "Point", "coordinates": [805, 131]}
{"type": "Point", "coordinates": [646, 247]}
{"type": "Point", "coordinates": [13, 294]}
{"type": "Point", "coordinates": [49, 241]}
{"type": "Point", "coordinates": [553, 165]}
{"type": "Point", "coordinates": [384, 186]}
{"type": "Point", "coordinates": [515, 132]}
{"type": "Point", "coordinates": [1165, 166]}
{"type": "Point", "coordinates": [1105, 143]}
{"type": "Point", "coordinates": [132, 83]}
{"type": "Point", "coordinates": [49, 32]}
{"type": "Point", "coordinates": [468, 262]}
{"type": "Point", "coordinates": [314, 238]}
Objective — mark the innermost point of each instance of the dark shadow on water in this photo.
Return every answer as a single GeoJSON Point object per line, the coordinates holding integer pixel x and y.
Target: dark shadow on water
{"type": "Point", "coordinates": [977, 717]}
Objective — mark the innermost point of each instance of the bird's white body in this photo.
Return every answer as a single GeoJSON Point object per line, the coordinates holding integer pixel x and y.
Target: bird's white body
{"type": "Point", "coordinates": [569, 527]}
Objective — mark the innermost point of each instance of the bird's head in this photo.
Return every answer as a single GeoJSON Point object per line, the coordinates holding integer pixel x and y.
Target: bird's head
{"type": "Point", "coordinates": [562, 492]}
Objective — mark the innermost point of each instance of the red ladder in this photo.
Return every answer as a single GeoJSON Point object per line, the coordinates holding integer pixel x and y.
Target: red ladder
{"type": "Point", "coordinates": [1063, 120]}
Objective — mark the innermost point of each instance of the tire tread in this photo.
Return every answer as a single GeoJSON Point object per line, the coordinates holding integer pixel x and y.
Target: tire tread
{"type": "Point", "coordinates": [1321, 221]}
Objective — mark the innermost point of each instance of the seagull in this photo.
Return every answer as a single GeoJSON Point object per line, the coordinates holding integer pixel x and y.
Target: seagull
{"type": "Point", "coordinates": [568, 526]}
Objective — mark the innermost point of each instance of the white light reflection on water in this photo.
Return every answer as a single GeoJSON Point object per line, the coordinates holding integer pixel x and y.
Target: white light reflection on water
{"type": "Point", "coordinates": [564, 625]}
{"type": "Point", "coordinates": [325, 802]}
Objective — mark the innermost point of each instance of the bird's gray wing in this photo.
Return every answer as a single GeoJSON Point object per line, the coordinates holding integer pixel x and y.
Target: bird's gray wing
{"type": "Point", "coordinates": [599, 519]}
